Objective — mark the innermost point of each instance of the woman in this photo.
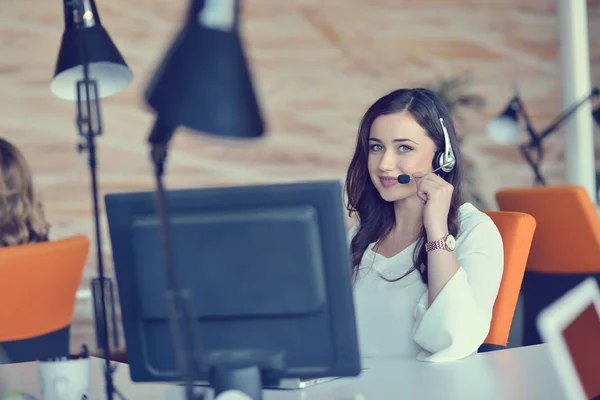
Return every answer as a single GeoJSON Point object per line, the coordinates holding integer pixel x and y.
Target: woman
{"type": "Point", "coordinates": [427, 267]}
{"type": "Point", "coordinates": [21, 216]}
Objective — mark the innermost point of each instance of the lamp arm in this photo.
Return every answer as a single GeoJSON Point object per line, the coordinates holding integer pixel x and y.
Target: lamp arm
{"type": "Point", "coordinates": [568, 112]}
{"type": "Point", "coordinates": [180, 305]}
{"type": "Point", "coordinates": [520, 108]}
{"type": "Point", "coordinates": [532, 164]}
{"type": "Point", "coordinates": [536, 139]}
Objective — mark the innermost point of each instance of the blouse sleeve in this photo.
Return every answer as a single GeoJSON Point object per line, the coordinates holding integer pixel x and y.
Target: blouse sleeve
{"type": "Point", "coordinates": [458, 320]}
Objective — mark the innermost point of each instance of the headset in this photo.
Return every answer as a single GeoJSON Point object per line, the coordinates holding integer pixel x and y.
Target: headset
{"type": "Point", "coordinates": [444, 160]}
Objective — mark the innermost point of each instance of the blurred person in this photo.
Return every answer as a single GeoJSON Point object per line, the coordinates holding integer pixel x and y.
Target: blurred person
{"type": "Point", "coordinates": [22, 218]}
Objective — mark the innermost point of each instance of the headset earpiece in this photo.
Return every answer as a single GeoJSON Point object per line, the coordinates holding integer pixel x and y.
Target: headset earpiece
{"type": "Point", "coordinates": [444, 160]}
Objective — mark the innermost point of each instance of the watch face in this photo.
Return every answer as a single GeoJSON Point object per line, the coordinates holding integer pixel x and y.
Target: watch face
{"type": "Point", "coordinates": [450, 243]}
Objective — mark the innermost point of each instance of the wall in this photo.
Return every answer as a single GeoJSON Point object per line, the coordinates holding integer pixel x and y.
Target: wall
{"type": "Point", "coordinates": [317, 64]}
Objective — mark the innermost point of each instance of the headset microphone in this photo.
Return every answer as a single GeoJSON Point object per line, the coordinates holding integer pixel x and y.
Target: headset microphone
{"type": "Point", "coordinates": [404, 178]}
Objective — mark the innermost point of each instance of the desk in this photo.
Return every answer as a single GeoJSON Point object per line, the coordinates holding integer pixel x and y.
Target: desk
{"type": "Point", "coordinates": [524, 373]}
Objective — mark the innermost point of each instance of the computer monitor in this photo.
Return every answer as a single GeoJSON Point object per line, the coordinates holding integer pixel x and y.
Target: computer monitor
{"type": "Point", "coordinates": [268, 267]}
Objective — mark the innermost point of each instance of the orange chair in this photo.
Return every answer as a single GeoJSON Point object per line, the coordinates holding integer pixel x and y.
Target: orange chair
{"type": "Point", "coordinates": [565, 248]}
{"type": "Point", "coordinates": [38, 283]}
{"type": "Point", "coordinates": [517, 231]}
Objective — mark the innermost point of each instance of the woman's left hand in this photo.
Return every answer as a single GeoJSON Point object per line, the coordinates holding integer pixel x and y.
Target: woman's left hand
{"type": "Point", "coordinates": [436, 193]}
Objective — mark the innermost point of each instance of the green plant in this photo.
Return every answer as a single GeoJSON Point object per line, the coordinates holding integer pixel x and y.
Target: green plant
{"type": "Point", "coordinates": [455, 93]}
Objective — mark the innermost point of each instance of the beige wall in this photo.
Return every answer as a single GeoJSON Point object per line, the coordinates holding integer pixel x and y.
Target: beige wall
{"type": "Point", "coordinates": [318, 65]}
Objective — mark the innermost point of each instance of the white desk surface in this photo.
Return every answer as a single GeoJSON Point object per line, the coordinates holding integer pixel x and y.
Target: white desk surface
{"type": "Point", "coordinates": [524, 373]}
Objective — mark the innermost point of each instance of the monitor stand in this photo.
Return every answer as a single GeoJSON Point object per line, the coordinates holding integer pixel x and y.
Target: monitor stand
{"type": "Point", "coordinates": [244, 379]}
{"type": "Point", "coordinates": [243, 370]}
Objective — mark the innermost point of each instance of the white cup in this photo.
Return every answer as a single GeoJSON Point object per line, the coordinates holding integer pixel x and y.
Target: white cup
{"type": "Point", "coordinates": [65, 378]}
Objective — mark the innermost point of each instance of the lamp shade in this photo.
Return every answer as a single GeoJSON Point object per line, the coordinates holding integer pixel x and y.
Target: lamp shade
{"type": "Point", "coordinates": [84, 32]}
{"type": "Point", "coordinates": [203, 82]}
{"type": "Point", "coordinates": [504, 129]}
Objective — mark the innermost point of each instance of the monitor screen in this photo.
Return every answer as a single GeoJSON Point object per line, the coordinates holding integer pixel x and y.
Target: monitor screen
{"type": "Point", "coordinates": [268, 268]}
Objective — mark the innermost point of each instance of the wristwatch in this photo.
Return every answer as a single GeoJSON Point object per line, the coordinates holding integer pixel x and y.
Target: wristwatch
{"type": "Point", "coordinates": [447, 242]}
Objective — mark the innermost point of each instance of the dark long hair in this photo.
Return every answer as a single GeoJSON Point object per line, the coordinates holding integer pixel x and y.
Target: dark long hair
{"type": "Point", "coordinates": [375, 215]}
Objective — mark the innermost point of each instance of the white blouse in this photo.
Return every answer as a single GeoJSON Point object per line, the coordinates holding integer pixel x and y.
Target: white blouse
{"type": "Point", "coordinates": [395, 319]}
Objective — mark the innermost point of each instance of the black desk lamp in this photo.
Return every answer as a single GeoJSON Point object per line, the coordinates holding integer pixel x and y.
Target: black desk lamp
{"type": "Point", "coordinates": [505, 129]}
{"type": "Point", "coordinates": [90, 67]}
{"type": "Point", "coordinates": [106, 66]}
{"type": "Point", "coordinates": [203, 83]}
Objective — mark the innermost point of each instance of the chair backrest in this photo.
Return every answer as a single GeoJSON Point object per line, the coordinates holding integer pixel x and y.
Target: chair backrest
{"type": "Point", "coordinates": [567, 238]}
{"type": "Point", "coordinates": [517, 230]}
{"type": "Point", "coordinates": [38, 283]}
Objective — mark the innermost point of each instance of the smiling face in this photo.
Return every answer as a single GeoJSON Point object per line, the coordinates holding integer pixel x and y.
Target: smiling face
{"type": "Point", "coordinates": [398, 145]}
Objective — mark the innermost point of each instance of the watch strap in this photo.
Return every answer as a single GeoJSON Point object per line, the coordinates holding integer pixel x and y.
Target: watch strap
{"type": "Point", "coordinates": [436, 244]}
